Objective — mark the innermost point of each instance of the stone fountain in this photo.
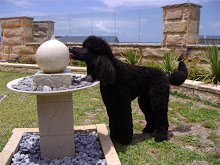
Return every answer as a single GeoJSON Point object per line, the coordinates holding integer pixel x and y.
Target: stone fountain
{"type": "Point", "coordinates": [53, 86]}
{"type": "Point", "coordinates": [55, 108]}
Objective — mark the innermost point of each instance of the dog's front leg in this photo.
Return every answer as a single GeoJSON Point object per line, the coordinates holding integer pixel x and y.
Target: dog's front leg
{"type": "Point", "coordinates": [119, 112]}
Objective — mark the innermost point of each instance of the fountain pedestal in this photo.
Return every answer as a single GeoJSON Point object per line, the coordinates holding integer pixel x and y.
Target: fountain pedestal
{"type": "Point", "coordinates": [55, 116]}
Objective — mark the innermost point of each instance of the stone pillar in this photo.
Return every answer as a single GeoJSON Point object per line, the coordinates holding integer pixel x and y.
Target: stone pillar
{"type": "Point", "coordinates": [15, 32]}
{"type": "Point", "coordinates": [181, 24]}
{"type": "Point", "coordinates": [55, 117]}
{"type": "Point", "coordinates": [43, 30]}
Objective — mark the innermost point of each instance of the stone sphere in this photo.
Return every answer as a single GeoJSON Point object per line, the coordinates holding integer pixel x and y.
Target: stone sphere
{"type": "Point", "coordinates": [52, 56]}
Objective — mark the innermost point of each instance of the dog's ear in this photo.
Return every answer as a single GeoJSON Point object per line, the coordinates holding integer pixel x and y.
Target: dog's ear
{"type": "Point", "coordinates": [104, 70]}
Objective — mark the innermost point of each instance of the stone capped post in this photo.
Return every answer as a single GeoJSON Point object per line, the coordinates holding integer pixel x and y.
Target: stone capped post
{"type": "Point", "coordinates": [15, 32]}
{"type": "Point", "coordinates": [43, 30]}
{"type": "Point", "coordinates": [181, 24]}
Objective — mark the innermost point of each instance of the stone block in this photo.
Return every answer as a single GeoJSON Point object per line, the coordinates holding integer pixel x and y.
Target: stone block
{"type": "Point", "coordinates": [29, 57]}
{"type": "Point", "coordinates": [7, 49]}
{"type": "Point", "coordinates": [10, 57]}
{"type": "Point", "coordinates": [40, 39]}
{"type": "Point", "coordinates": [42, 30]}
{"type": "Point", "coordinates": [121, 50]}
{"type": "Point", "coordinates": [12, 41]}
{"type": "Point", "coordinates": [174, 40]}
{"type": "Point", "coordinates": [5, 158]}
{"type": "Point", "coordinates": [196, 54]}
{"type": "Point", "coordinates": [27, 22]}
{"type": "Point", "coordinates": [176, 13]}
{"type": "Point", "coordinates": [28, 39]}
{"type": "Point", "coordinates": [12, 32]}
{"type": "Point", "coordinates": [164, 40]}
{"type": "Point", "coordinates": [1, 48]}
{"type": "Point", "coordinates": [53, 147]}
{"type": "Point", "coordinates": [1, 52]}
{"type": "Point", "coordinates": [4, 57]}
{"type": "Point", "coordinates": [190, 39]}
{"type": "Point", "coordinates": [55, 79]}
{"type": "Point", "coordinates": [211, 88]}
{"type": "Point", "coordinates": [175, 27]}
{"type": "Point", "coordinates": [28, 32]}
{"type": "Point", "coordinates": [13, 143]}
{"type": "Point", "coordinates": [107, 145]}
{"type": "Point", "coordinates": [192, 12]}
{"type": "Point", "coordinates": [22, 50]}
{"type": "Point", "coordinates": [193, 27]}
{"type": "Point", "coordinates": [55, 119]}
{"type": "Point", "coordinates": [43, 24]}
{"type": "Point", "coordinates": [11, 23]}
{"type": "Point", "coordinates": [153, 53]}
{"type": "Point", "coordinates": [55, 98]}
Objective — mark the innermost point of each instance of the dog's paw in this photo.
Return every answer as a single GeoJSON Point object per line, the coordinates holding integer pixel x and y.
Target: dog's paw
{"type": "Point", "coordinates": [159, 137]}
{"type": "Point", "coordinates": [125, 141]}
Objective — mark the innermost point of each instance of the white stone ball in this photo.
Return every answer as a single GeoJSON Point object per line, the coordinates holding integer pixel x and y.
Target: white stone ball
{"type": "Point", "coordinates": [52, 56]}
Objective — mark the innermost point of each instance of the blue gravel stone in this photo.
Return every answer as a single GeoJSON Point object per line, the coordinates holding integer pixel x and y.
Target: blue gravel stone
{"type": "Point", "coordinates": [83, 155]}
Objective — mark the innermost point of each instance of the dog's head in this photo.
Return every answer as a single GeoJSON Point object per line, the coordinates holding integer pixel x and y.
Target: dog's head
{"type": "Point", "coordinates": [98, 56]}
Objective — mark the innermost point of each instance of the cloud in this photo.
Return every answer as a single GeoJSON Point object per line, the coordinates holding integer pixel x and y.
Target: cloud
{"type": "Point", "coordinates": [100, 9]}
{"type": "Point", "coordinates": [26, 13]}
{"type": "Point", "coordinates": [152, 3]}
{"type": "Point", "coordinates": [21, 3]}
{"type": "Point", "coordinates": [103, 28]}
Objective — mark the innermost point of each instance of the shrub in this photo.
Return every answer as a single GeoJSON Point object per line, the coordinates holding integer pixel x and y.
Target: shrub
{"type": "Point", "coordinates": [81, 63]}
{"type": "Point", "coordinates": [131, 56]}
{"type": "Point", "coordinates": [196, 71]}
{"type": "Point", "coordinates": [77, 63]}
{"type": "Point", "coordinates": [154, 64]}
{"type": "Point", "coordinates": [169, 62]}
{"type": "Point", "coordinates": [211, 56]}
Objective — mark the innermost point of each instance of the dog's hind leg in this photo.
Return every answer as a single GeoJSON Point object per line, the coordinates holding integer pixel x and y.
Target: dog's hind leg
{"type": "Point", "coordinates": [159, 105]}
{"type": "Point", "coordinates": [145, 106]}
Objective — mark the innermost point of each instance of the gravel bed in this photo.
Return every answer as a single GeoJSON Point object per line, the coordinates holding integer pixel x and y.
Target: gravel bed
{"type": "Point", "coordinates": [27, 84]}
{"type": "Point", "coordinates": [87, 151]}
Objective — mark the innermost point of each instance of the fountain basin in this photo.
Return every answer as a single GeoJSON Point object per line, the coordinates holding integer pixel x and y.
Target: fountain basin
{"type": "Point", "coordinates": [15, 81]}
{"type": "Point", "coordinates": [55, 115]}
{"type": "Point", "coordinates": [109, 151]}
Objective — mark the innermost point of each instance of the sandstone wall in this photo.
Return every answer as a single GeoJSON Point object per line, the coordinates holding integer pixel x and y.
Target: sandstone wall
{"type": "Point", "coordinates": [155, 52]}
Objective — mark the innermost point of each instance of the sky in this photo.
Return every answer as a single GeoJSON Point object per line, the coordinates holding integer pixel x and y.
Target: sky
{"type": "Point", "coordinates": [129, 20]}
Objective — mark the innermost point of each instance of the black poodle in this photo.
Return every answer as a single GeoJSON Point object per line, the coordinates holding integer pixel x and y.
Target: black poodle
{"type": "Point", "coordinates": [120, 83]}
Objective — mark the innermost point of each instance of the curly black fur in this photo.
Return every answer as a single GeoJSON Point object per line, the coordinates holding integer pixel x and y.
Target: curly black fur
{"type": "Point", "coordinates": [120, 83]}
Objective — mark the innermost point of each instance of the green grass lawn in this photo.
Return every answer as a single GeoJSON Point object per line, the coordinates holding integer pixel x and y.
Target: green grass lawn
{"type": "Point", "coordinates": [194, 130]}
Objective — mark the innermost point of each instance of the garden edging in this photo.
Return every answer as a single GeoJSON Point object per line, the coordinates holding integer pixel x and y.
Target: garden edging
{"type": "Point", "coordinates": [195, 89]}
{"type": "Point", "coordinates": [33, 68]}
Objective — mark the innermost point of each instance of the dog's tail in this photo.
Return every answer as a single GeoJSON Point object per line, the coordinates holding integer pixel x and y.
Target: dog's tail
{"type": "Point", "coordinates": [177, 78]}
